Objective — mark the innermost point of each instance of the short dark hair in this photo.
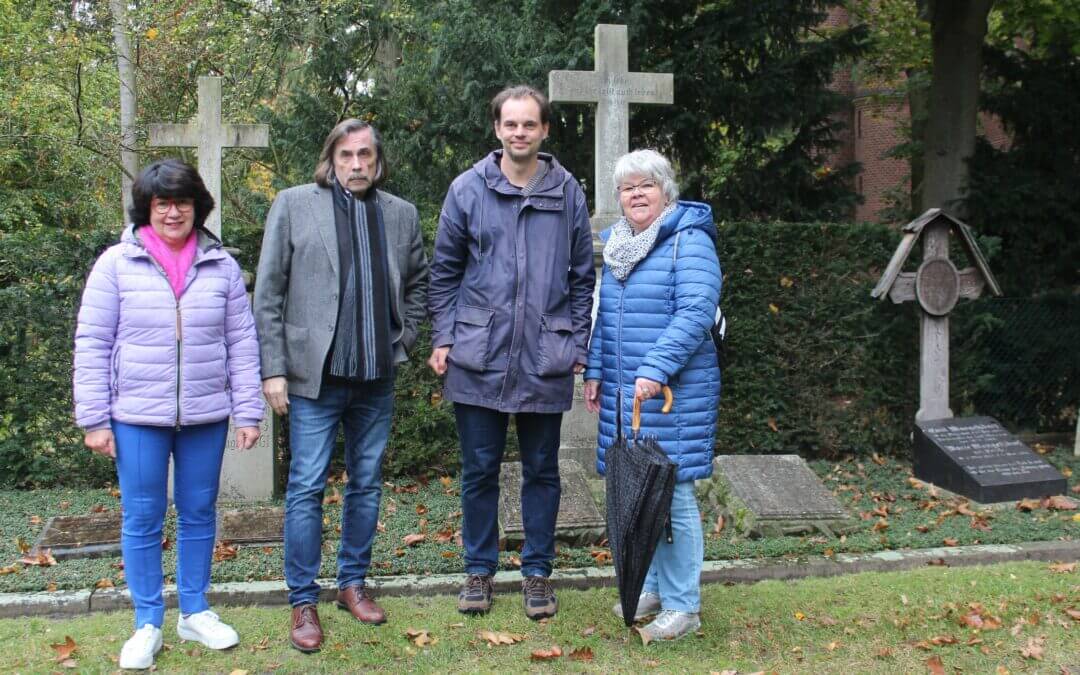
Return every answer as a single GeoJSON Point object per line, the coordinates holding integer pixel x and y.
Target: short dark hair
{"type": "Point", "coordinates": [520, 91]}
{"type": "Point", "coordinates": [169, 178]}
{"type": "Point", "coordinates": [343, 129]}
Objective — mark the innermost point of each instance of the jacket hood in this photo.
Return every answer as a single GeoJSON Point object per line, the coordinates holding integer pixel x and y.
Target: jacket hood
{"type": "Point", "coordinates": [686, 216]}
{"type": "Point", "coordinates": [207, 241]}
{"type": "Point", "coordinates": [552, 184]}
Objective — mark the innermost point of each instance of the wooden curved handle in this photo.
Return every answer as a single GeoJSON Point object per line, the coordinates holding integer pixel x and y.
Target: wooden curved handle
{"type": "Point", "coordinates": [635, 420]}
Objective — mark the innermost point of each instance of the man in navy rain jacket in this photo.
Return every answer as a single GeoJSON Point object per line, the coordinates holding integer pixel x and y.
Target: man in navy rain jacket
{"type": "Point", "coordinates": [511, 294]}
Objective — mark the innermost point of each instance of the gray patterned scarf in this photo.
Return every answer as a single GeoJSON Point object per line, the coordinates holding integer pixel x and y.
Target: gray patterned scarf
{"type": "Point", "coordinates": [624, 249]}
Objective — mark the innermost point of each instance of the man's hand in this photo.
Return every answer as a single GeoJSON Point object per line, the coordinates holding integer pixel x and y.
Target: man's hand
{"type": "Point", "coordinates": [101, 442]}
{"type": "Point", "coordinates": [645, 389]}
{"type": "Point", "coordinates": [246, 437]}
{"type": "Point", "coordinates": [579, 368]}
{"type": "Point", "coordinates": [592, 395]}
{"type": "Point", "coordinates": [276, 390]}
{"type": "Point", "coordinates": [437, 360]}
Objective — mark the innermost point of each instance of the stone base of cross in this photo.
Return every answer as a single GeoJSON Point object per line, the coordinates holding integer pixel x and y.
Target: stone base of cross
{"type": "Point", "coordinates": [612, 88]}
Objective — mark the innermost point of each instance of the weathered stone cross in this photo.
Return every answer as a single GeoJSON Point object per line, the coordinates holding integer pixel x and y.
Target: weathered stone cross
{"type": "Point", "coordinates": [209, 135]}
{"type": "Point", "coordinates": [613, 88]}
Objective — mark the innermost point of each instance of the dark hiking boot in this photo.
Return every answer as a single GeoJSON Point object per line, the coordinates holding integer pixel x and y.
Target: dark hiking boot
{"type": "Point", "coordinates": [476, 594]}
{"type": "Point", "coordinates": [540, 601]}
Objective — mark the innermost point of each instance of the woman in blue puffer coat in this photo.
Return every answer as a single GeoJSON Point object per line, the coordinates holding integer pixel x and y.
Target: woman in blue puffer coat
{"type": "Point", "coordinates": [658, 300]}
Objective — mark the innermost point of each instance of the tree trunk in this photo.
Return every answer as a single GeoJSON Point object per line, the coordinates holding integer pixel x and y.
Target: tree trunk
{"type": "Point", "coordinates": [129, 159]}
{"type": "Point", "coordinates": [958, 28]}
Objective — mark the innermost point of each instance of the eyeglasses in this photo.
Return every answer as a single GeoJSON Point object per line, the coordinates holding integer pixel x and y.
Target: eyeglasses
{"type": "Point", "coordinates": [183, 205]}
{"type": "Point", "coordinates": [643, 186]}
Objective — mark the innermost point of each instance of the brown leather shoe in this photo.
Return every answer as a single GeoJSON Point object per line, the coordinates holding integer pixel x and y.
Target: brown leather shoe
{"type": "Point", "coordinates": [306, 633]}
{"type": "Point", "coordinates": [361, 605]}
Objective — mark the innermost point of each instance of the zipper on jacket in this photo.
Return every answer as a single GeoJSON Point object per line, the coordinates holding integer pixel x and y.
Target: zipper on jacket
{"type": "Point", "coordinates": [179, 362]}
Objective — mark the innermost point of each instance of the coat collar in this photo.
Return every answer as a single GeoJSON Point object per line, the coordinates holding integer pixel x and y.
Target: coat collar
{"type": "Point", "coordinates": [208, 246]}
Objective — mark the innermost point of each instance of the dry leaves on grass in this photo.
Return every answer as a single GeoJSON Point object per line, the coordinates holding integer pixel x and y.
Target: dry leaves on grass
{"type": "Point", "coordinates": [333, 498]}
{"type": "Point", "coordinates": [421, 637]}
{"type": "Point", "coordinates": [65, 649]}
{"type": "Point", "coordinates": [581, 654]}
{"type": "Point", "coordinates": [600, 556]}
{"type": "Point", "coordinates": [1074, 614]}
{"type": "Point", "coordinates": [10, 569]}
{"type": "Point", "coordinates": [1035, 649]}
{"type": "Point", "coordinates": [883, 653]}
{"type": "Point", "coordinates": [1063, 568]}
{"type": "Point", "coordinates": [104, 583]}
{"type": "Point", "coordinates": [444, 535]}
{"type": "Point", "coordinates": [935, 665]}
{"type": "Point", "coordinates": [224, 550]}
{"type": "Point", "coordinates": [949, 541]}
{"type": "Point", "coordinates": [413, 539]}
{"type": "Point", "coordinates": [496, 638]}
{"type": "Point", "coordinates": [421, 509]}
{"type": "Point", "coordinates": [42, 558]}
{"type": "Point", "coordinates": [549, 654]}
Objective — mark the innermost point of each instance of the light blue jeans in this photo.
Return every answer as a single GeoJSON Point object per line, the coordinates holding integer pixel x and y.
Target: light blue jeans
{"type": "Point", "coordinates": [142, 465]}
{"type": "Point", "coordinates": [675, 573]}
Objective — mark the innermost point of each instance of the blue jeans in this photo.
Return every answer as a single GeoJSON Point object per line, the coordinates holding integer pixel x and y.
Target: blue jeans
{"type": "Point", "coordinates": [142, 466]}
{"type": "Point", "coordinates": [365, 410]}
{"type": "Point", "coordinates": [675, 573]}
{"type": "Point", "coordinates": [482, 433]}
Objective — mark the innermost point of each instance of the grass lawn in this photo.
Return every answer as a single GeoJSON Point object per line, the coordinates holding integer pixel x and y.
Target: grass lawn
{"type": "Point", "coordinates": [890, 511]}
{"type": "Point", "coordinates": [879, 623]}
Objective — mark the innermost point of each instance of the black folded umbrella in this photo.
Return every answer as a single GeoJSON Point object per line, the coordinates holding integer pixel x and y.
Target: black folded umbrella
{"type": "Point", "coordinates": [640, 483]}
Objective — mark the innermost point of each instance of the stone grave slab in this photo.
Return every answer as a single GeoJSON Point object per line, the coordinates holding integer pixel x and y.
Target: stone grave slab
{"type": "Point", "coordinates": [95, 535]}
{"type": "Point", "coordinates": [264, 525]}
{"type": "Point", "coordinates": [978, 458]}
{"type": "Point", "coordinates": [773, 495]}
{"type": "Point", "coordinates": [579, 522]}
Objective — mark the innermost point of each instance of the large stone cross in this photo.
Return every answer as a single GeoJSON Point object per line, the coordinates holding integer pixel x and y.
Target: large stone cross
{"type": "Point", "coordinates": [210, 135]}
{"type": "Point", "coordinates": [613, 88]}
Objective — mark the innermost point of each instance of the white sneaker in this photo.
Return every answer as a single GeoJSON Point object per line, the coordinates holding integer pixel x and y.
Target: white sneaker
{"type": "Point", "coordinates": [647, 605]}
{"type": "Point", "coordinates": [207, 628]}
{"type": "Point", "coordinates": [139, 651]}
{"type": "Point", "coordinates": [670, 625]}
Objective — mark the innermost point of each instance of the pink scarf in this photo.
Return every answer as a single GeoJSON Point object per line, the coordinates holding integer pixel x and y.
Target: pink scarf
{"type": "Point", "coordinates": [175, 263]}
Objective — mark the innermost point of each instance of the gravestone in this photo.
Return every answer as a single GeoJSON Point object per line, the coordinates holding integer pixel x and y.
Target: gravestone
{"type": "Point", "coordinates": [91, 536]}
{"type": "Point", "coordinates": [247, 475]}
{"type": "Point", "coordinates": [772, 495]}
{"type": "Point", "coordinates": [252, 525]}
{"type": "Point", "coordinates": [978, 458]}
{"type": "Point", "coordinates": [612, 87]}
{"type": "Point", "coordinates": [579, 522]}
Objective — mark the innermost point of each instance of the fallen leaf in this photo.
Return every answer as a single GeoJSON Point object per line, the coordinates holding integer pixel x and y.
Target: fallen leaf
{"type": "Point", "coordinates": [449, 554]}
{"type": "Point", "coordinates": [166, 544]}
{"type": "Point", "coordinates": [35, 520]}
{"type": "Point", "coordinates": [64, 505]}
{"type": "Point", "coordinates": [421, 509]}
{"type": "Point", "coordinates": [588, 631]}
{"type": "Point", "coordinates": [98, 508]}
{"type": "Point", "coordinates": [51, 587]}
{"type": "Point", "coordinates": [923, 528]}
{"type": "Point", "coordinates": [645, 637]}
{"type": "Point", "coordinates": [43, 558]}
{"type": "Point", "coordinates": [69, 663]}
{"type": "Point", "coordinates": [719, 526]}
{"type": "Point", "coordinates": [786, 282]}
{"type": "Point", "coordinates": [499, 637]}
{"type": "Point", "coordinates": [1063, 568]}
{"type": "Point", "coordinates": [1059, 503]}
{"type": "Point", "coordinates": [262, 645]}
{"type": "Point", "coordinates": [267, 549]}
{"type": "Point", "coordinates": [935, 665]}
{"type": "Point", "coordinates": [413, 539]}
{"type": "Point", "coordinates": [883, 653]}
{"type": "Point", "coordinates": [601, 556]}
{"type": "Point", "coordinates": [65, 649]}
{"type": "Point", "coordinates": [772, 424]}
{"type": "Point", "coordinates": [939, 640]}
{"type": "Point", "coordinates": [104, 583]}
{"type": "Point", "coordinates": [799, 616]}
{"type": "Point", "coordinates": [881, 524]}
{"type": "Point", "coordinates": [939, 562]}
{"type": "Point", "coordinates": [877, 459]}
{"type": "Point", "coordinates": [333, 498]}
{"type": "Point", "coordinates": [421, 637]}
{"type": "Point", "coordinates": [949, 541]}
{"type": "Point", "coordinates": [1028, 504]}
{"type": "Point", "coordinates": [1035, 649]}
{"type": "Point", "coordinates": [238, 671]}
{"type": "Point", "coordinates": [22, 545]}
{"type": "Point", "coordinates": [773, 308]}
{"type": "Point", "coordinates": [580, 654]}
{"type": "Point", "coordinates": [1074, 614]}
{"type": "Point", "coordinates": [445, 534]}
{"type": "Point", "coordinates": [514, 560]}
{"type": "Point", "coordinates": [553, 652]}
{"type": "Point", "coordinates": [224, 550]}
{"type": "Point", "coordinates": [832, 646]}
{"type": "Point", "coordinates": [915, 483]}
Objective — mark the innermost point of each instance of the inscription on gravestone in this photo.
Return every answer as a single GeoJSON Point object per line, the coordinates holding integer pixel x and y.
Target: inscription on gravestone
{"type": "Point", "coordinates": [252, 526]}
{"type": "Point", "coordinates": [91, 536]}
{"type": "Point", "coordinates": [579, 522]}
{"type": "Point", "coordinates": [978, 458]}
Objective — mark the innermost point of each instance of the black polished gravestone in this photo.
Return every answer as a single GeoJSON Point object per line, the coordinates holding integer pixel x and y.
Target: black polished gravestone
{"type": "Point", "coordinates": [978, 458]}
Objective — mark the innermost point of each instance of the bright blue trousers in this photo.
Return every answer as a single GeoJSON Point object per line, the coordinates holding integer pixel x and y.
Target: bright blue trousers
{"type": "Point", "coordinates": [142, 465]}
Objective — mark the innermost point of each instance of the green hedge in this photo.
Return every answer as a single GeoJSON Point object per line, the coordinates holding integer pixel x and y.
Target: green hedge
{"type": "Point", "coordinates": [814, 365]}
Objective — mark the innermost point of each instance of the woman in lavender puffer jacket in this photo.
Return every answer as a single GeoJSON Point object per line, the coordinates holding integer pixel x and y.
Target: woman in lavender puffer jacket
{"type": "Point", "coordinates": [165, 353]}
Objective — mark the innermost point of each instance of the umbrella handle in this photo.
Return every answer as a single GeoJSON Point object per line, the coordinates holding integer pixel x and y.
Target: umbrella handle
{"type": "Point", "coordinates": [635, 421]}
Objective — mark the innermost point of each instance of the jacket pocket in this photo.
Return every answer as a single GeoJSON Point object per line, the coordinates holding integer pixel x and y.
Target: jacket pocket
{"type": "Point", "coordinates": [296, 339]}
{"type": "Point", "coordinates": [223, 363]}
{"type": "Point", "coordinates": [472, 333]}
{"type": "Point", "coordinates": [556, 351]}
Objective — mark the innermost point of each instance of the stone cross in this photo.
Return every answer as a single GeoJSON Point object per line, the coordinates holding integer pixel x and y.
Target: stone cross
{"type": "Point", "coordinates": [210, 135]}
{"type": "Point", "coordinates": [936, 285]}
{"type": "Point", "coordinates": [613, 88]}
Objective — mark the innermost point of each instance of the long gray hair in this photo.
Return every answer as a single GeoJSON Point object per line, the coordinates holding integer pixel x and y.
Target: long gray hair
{"type": "Point", "coordinates": [343, 129]}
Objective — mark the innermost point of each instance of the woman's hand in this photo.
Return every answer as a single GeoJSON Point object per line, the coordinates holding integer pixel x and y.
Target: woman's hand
{"type": "Point", "coordinates": [101, 441]}
{"type": "Point", "coordinates": [644, 388]}
{"type": "Point", "coordinates": [246, 437]}
{"type": "Point", "coordinates": [592, 395]}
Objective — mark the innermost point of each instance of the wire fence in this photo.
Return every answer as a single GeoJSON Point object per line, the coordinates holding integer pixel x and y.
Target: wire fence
{"type": "Point", "coordinates": [1018, 360]}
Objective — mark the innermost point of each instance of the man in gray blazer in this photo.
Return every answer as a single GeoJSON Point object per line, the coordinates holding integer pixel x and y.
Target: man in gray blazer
{"type": "Point", "coordinates": [341, 289]}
